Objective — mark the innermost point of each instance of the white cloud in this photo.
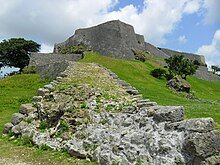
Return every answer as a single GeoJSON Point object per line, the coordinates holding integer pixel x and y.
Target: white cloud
{"type": "Point", "coordinates": [212, 51]}
{"type": "Point", "coordinates": [46, 48]}
{"type": "Point", "coordinates": [182, 39]}
{"type": "Point", "coordinates": [193, 6]}
{"type": "Point", "coordinates": [212, 11]}
{"type": "Point", "coordinates": [157, 19]}
{"type": "Point", "coordinates": [52, 21]}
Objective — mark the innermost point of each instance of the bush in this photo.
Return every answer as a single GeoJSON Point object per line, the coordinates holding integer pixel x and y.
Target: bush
{"type": "Point", "coordinates": [178, 65]}
{"type": "Point", "coordinates": [80, 49]}
{"type": "Point", "coordinates": [196, 62]}
{"type": "Point", "coordinates": [43, 125]}
{"type": "Point", "coordinates": [168, 76]}
{"type": "Point", "coordinates": [139, 55]}
{"type": "Point", "coordinates": [29, 70]}
{"type": "Point", "coordinates": [158, 73]}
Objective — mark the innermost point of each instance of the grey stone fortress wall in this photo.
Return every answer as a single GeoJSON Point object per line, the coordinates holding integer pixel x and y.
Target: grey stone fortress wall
{"type": "Point", "coordinates": [117, 39]}
{"type": "Point", "coordinates": [191, 56]}
{"type": "Point", "coordinates": [114, 38]}
{"type": "Point", "coordinates": [50, 65]}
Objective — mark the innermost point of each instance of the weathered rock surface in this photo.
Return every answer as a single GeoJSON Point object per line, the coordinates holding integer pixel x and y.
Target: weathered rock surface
{"type": "Point", "coordinates": [50, 65]}
{"type": "Point", "coordinates": [179, 84]}
{"type": "Point", "coordinates": [17, 118]}
{"type": "Point", "coordinates": [94, 115]}
{"type": "Point", "coordinates": [118, 39]}
{"type": "Point", "coordinates": [25, 109]}
{"type": "Point", "coordinates": [7, 128]}
{"type": "Point", "coordinates": [113, 38]}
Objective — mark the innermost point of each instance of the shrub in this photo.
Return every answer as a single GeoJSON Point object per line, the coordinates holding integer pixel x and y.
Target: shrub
{"type": "Point", "coordinates": [158, 73]}
{"type": "Point", "coordinates": [168, 76]}
{"type": "Point", "coordinates": [43, 125]}
{"type": "Point", "coordinates": [139, 55]}
{"type": "Point", "coordinates": [178, 65]}
{"type": "Point", "coordinates": [27, 140]}
{"type": "Point", "coordinates": [29, 70]}
{"type": "Point", "coordinates": [196, 62]}
{"type": "Point", "coordinates": [80, 49]}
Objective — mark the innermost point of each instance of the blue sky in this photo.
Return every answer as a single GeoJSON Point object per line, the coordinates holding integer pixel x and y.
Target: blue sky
{"type": "Point", "coordinates": [184, 25]}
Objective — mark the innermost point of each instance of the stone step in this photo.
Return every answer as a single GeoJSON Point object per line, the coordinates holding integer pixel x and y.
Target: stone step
{"type": "Point", "coordinates": [169, 113]}
{"type": "Point", "coordinates": [132, 91]}
{"type": "Point", "coordinates": [143, 101]}
{"type": "Point", "coordinates": [146, 104]}
{"type": "Point", "coordinates": [123, 83]}
{"type": "Point", "coordinates": [42, 91]}
{"type": "Point", "coordinates": [25, 109]}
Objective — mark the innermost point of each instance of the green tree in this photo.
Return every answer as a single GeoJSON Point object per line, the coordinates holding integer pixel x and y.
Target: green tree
{"type": "Point", "coordinates": [215, 68]}
{"type": "Point", "coordinates": [15, 51]}
{"type": "Point", "coordinates": [178, 65]}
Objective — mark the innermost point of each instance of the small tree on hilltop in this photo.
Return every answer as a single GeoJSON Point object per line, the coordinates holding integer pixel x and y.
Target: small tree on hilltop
{"type": "Point", "coordinates": [15, 51]}
{"type": "Point", "coordinates": [178, 65]}
{"type": "Point", "coordinates": [215, 68]}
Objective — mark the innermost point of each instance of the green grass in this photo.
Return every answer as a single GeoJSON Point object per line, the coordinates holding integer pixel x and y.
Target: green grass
{"type": "Point", "coordinates": [14, 91]}
{"type": "Point", "coordinates": [138, 75]}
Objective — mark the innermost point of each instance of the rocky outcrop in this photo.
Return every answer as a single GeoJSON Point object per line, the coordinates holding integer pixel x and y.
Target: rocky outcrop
{"type": "Point", "coordinates": [178, 84]}
{"type": "Point", "coordinates": [94, 115]}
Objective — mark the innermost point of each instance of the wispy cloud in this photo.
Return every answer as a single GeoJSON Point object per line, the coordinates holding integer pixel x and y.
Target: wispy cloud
{"type": "Point", "coordinates": [212, 51]}
{"type": "Point", "coordinates": [182, 39]}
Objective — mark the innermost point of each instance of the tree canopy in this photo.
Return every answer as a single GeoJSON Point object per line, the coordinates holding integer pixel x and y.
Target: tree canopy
{"type": "Point", "coordinates": [178, 65]}
{"type": "Point", "coordinates": [15, 51]}
{"type": "Point", "coordinates": [215, 69]}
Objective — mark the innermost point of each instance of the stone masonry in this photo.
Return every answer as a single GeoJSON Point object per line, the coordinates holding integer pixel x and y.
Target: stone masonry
{"type": "Point", "coordinates": [117, 39]}
{"type": "Point", "coordinates": [94, 115]}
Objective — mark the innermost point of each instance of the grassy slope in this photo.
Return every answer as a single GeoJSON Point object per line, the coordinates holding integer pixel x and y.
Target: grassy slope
{"type": "Point", "coordinates": [138, 75]}
{"type": "Point", "coordinates": [14, 91]}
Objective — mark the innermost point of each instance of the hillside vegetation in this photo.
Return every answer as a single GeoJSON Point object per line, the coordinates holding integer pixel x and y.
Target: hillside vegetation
{"type": "Point", "coordinates": [138, 75]}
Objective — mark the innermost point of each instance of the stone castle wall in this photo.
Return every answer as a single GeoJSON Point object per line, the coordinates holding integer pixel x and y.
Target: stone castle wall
{"type": "Point", "coordinates": [191, 56]}
{"type": "Point", "coordinates": [117, 39]}
{"type": "Point", "coordinates": [50, 65]}
{"type": "Point", "coordinates": [114, 38]}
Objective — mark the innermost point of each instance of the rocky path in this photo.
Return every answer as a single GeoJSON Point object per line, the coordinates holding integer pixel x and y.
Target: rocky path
{"type": "Point", "coordinates": [94, 115]}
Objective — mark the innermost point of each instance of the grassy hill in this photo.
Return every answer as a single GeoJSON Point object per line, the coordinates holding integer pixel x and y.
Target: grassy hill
{"type": "Point", "coordinates": [138, 75]}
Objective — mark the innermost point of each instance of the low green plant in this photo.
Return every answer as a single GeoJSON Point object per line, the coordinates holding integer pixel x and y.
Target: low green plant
{"type": "Point", "coordinates": [80, 49]}
{"type": "Point", "coordinates": [43, 125]}
{"type": "Point", "coordinates": [44, 147]}
{"type": "Point", "coordinates": [64, 126]}
{"type": "Point", "coordinates": [29, 70]}
{"type": "Point", "coordinates": [83, 105]}
{"type": "Point", "coordinates": [139, 55]}
{"type": "Point", "coordinates": [139, 162]}
{"type": "Point", "coordinates": [28, 120]}
{"type": "Point", "coordinates": [158, 73]}
{"type": "Point", "coordinates": [26, 140]}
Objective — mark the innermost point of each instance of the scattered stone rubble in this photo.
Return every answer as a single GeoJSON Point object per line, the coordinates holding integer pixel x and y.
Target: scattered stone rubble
{"type": "Point", "coordinates": [94, 115]}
